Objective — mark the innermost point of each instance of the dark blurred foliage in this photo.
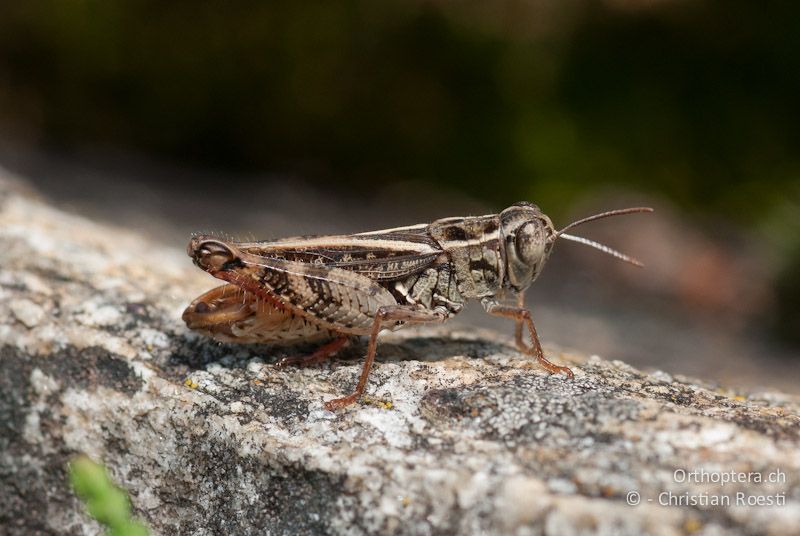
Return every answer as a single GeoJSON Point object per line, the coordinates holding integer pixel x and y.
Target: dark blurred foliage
{"type": "Point", "coordinates": [546, 101]}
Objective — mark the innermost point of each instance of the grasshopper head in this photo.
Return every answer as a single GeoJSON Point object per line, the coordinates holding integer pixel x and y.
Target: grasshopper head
{"type": "Point", "coordinates": [211, 254]}
{"type": "Point", "coordinates": [529, 236]}
{"type": "Point", "coordinates": [526, 233]}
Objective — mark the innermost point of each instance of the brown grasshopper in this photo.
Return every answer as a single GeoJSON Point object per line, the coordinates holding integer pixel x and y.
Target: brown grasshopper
{"type": "Point", "coordinates": [335, 287]}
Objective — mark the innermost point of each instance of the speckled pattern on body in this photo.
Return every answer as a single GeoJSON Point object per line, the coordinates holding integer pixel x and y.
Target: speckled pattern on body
{"type": "Point", "coordinates": [458, 433]}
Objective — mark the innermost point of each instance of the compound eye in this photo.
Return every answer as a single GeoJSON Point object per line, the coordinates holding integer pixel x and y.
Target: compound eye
{"type": "Point", "coordinates": [529, 243]}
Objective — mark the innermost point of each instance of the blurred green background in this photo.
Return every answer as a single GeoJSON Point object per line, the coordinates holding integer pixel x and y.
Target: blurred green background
{"type": "Point", "coordinates": [507, 100]}
{"type": "Point", "coordinates": [697, 102]}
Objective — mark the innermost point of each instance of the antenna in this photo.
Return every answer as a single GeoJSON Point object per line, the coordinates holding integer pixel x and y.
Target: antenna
{"type": "Point", "coordinates": [598, 245]}
{"type": "Point", "coordinates": [618, 212]}
{"type": "Point", "coordinates": [603, 248]}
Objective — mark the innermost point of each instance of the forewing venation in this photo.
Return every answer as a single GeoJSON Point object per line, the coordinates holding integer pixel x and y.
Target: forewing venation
{"type": "Point", "coordinates": [339, 299]}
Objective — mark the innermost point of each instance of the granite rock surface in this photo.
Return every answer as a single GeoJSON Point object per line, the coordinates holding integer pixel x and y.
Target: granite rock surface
{"type": "Point", "coordinates": [458, 433]}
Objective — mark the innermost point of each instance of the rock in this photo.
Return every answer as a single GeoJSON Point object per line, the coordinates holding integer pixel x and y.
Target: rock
{"type": "Point", "coordinates": [459, 433]}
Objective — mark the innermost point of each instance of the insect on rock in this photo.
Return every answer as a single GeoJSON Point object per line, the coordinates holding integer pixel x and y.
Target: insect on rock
{"type": "Point", "coordinates": [331, 288]}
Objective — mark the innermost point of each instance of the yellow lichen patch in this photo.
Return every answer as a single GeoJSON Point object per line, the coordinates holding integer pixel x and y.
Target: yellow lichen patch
{"type": "Point", "coordinates": [190, 383]}
{"type": "Point", "coordinates": [378, 402]}
{"type": "Point", "coordinates": [692, 525]}
{"type": "Point", "coordinates": [740, 398]}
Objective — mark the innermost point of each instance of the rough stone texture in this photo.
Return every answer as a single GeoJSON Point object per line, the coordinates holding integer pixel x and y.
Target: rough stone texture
{"type": "Point", "coordinates": [459, 433]}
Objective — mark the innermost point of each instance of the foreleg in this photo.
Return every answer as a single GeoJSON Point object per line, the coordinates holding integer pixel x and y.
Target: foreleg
{"type": "Point", "coordinates": [519, 324]}
{"type": "Point", "coordinates": [523, 316]}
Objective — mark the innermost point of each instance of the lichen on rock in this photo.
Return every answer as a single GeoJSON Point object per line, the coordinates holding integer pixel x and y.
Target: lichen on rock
{"type": "Point", "coordinates": [458, 433]}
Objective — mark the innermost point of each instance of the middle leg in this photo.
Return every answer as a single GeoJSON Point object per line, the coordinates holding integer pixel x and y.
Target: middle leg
{"type": "Point", "coordinates": [388, 314]}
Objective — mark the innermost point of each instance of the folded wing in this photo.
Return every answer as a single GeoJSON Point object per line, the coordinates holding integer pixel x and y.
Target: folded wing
{"type": "Point", "coordinates": [386, 255]}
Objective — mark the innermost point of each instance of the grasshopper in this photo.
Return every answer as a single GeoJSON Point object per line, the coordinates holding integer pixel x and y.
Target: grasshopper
{"type": "Point", "coordinates": [331, 288]}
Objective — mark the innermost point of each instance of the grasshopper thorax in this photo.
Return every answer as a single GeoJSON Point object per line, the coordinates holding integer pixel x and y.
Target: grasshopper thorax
{"type": "Point", "coordinates": [525, 232]}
